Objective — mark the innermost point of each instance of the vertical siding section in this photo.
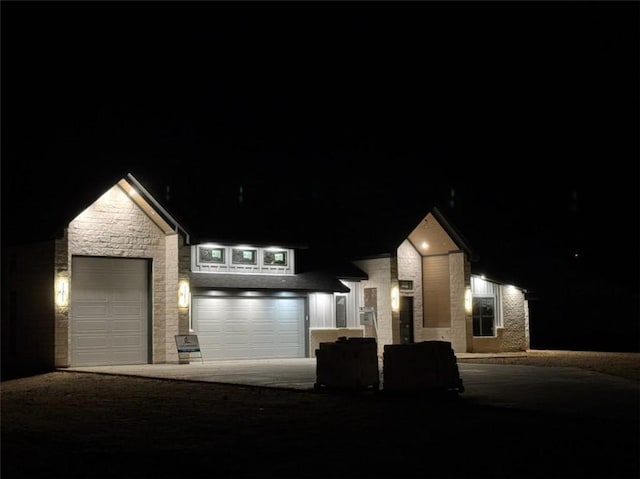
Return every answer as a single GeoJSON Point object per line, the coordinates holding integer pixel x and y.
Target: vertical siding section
{"type": "Point", "coordinates": [321, 311]}
{"type": "Point", "coordinates": [353, 312]}
{"type": "Point", "coordinates": [436, 292]}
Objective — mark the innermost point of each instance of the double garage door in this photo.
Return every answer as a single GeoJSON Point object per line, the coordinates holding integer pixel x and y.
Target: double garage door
{"type": "Point", "coordinates": [249, 328]}
{"type": "Point", "coordinates": [109, 311]}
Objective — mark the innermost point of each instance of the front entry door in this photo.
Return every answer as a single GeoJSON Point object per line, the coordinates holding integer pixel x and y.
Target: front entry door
{"type": "Point", "coordinates": [406, 319]}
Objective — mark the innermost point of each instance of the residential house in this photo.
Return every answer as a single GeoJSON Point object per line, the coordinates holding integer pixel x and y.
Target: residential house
{"type": "Point", "coordinates": [123, 277]}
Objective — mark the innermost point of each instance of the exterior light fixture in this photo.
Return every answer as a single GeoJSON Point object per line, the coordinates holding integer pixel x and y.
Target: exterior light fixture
{"type": "Point", "coordinates": [425, 245]}
{"type": "Point", "coordinates": [183, 294]}
{"type": "Point", "coordinates": [62, 292]}
{"type": "Point", "coordinates": [395, 299]}
{"type": "Point", "coordinates": [468, 300]}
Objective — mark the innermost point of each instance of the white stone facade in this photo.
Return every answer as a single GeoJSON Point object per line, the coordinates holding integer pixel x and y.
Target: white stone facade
{"type": "Point", "coordinates": [115, 226]}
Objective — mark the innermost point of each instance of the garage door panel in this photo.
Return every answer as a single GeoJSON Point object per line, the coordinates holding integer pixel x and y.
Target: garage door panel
{"type": "Point", "coordinates": [263, 327]}
{"type": "Point", "coordinates": [249, 328]}
{"type": "Point", "coordinates": [209, 328]}
{"type": "Point", "coordinates": [126, 357]}
{"type": "Point", "coordinates": [88, 342]}
{"type": "Point", "coordinates": [286, 337]}
{"type": "Point", "coordinates": [97, 294]}
{"type": "Point", "coordinates": [260, 339]}
{"type": "Point", "coordinates": [123, 309]}
{"type": "Point", "coordinates": [121, 341]}
{"type": "Point", "coordinates": [123, 326]}
{"type": "Point", "coordinates": [91, 357]}
{"type": "Point", "coordinates": [89, 309]}
{"type": "Point", "coordinates": [109, 311]}
{"type": "Point", "coordinates": [92, 326]}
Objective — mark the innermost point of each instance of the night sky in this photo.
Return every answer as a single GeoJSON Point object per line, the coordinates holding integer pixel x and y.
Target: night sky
{"type": "Point", "coordinates": [518, 120]}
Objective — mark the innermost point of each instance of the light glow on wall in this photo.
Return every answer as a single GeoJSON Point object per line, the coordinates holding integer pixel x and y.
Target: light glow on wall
{"type": "Point", "coordinates": [468, 300]}
{"type": "Point", "coordinates": [183, 294]}
{"type": "Point", "coordinates": [395, 298]}
{"type": "Point", "coordinates": [62, 291]}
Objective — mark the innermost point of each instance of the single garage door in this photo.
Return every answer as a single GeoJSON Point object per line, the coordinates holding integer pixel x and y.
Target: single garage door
{"type": "Point", "coordinates": [249, 328]}
{"type": "Point", "coordinates": [109, 311]}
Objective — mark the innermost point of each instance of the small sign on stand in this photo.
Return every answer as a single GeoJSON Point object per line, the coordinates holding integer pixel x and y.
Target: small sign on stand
{"type": "Point", "coordinates": [188, 343]}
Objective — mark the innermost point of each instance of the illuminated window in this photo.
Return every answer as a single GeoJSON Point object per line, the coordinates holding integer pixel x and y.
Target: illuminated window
{"type": "Point", "coordinates": [274, 258]}
{"type": "Point", "coordinates": [210, 255]}
{"type": "Point", "coordinates": [243, 256]}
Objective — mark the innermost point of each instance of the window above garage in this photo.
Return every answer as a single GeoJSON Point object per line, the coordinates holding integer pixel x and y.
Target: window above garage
{"type": "Point", "coordinates": [215, 258]}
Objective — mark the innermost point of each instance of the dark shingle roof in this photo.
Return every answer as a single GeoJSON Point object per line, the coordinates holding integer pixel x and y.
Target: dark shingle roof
{"type": "Point", "coordinates": [311, 281]}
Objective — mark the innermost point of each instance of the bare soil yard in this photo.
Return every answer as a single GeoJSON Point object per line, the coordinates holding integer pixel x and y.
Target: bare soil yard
{"type": "Point", "coordinates": [624, 365]}
{"type": "Point", "coordinates": [72, 425]}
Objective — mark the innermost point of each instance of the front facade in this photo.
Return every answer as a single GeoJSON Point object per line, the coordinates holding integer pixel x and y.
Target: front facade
{"type": "Point", "coordinates": [426, 291]}
{"type": "Point", "coordinates": [125, 278]}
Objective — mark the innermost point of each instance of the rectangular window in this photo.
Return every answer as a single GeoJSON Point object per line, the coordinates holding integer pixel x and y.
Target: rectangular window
{"type": "Point", "coordinates": [341, 311]}
{"type": "Point", "coordinates": [274, 258]}
{"type": "Point", "coordinates": [405, 284]}
{"type": "Point", "coordinates": [210, 255]}
{"type": "Point", "coordinates": [483, 316]}
{"type": "Point", "coordinates": [243, 256]}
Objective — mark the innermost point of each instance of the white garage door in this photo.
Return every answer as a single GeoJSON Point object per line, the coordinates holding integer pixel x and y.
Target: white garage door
{"type": "Point", "coordinates": [249, 328]}
{"type": "Point", "coordinates": [109, 312]}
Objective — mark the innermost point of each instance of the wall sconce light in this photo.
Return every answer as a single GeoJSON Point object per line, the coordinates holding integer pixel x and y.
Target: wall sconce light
{"type": "Point", "coordinates": [62, 291]}
{"type": "Point", "coordinates": [468, 300]}
{"type": "Point", "coordinates": [183, 294]}
{"type": "Point", "coordinates": [395, 299]}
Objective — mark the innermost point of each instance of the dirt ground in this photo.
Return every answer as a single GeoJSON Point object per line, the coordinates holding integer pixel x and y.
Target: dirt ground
{"type": "Point", "coordinates": [72, 425]}
{"type": "Point", "coordinates": [624, 365]}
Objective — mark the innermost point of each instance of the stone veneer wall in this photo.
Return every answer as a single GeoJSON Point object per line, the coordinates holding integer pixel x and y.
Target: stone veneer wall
{"type": "Point", "coordinates": [114, 226]}
{"type": "Point", "coordinates": [459, 281]}
{"type": "Point", "coordinates": [184, 267]}
{"type": "Point", "coordinates": [410, 268]}
{"type": "Point", "coordinates": [62, 331]}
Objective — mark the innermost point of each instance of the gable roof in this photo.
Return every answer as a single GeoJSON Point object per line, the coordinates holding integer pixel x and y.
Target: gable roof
{"type": "Point", "coordinates": [157, 207]}
{"type": "Point", "coordinates": [329, 245]}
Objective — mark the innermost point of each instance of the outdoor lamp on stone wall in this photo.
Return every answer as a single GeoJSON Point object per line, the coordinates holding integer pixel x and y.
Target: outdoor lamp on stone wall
{"type": "Point", "coordinates": [395, 299]}
{"type": "Point", "coordinates": [183, 294]}
{"type": "Point", "coordinates": [62, 291]}
{"type": "Point", "coordinates": [468, 300]}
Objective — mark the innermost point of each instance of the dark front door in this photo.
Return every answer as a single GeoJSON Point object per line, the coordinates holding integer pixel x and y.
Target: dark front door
{"type": "Point", "coordinates": [406, 319]}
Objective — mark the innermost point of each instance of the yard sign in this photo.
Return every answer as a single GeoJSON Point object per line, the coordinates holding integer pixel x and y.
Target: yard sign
{"type": "Point", "coordinates": [188, 343]}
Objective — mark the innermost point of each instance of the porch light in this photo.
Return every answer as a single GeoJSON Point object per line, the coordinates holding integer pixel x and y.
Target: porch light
{"type": "Point", "coordinates": [62, 291]}
{"type": "Point", "coordinates": [395, 299]}
{"type": "Point", "coordinates": [468, 300]}
{"type": "Point", "coordinates": [183, 294]}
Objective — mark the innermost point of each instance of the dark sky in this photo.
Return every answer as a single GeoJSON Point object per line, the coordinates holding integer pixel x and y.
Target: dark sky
{"type": "Point", "coordinates": [527, 111]}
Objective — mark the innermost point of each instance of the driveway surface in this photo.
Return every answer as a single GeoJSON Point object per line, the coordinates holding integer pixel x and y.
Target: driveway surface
{"type": "Point", "coordinates": [549, 389]}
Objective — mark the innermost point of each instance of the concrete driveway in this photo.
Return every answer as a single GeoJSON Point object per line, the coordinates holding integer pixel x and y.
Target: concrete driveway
{"type": "Point", "coordinates": [551, 389]}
